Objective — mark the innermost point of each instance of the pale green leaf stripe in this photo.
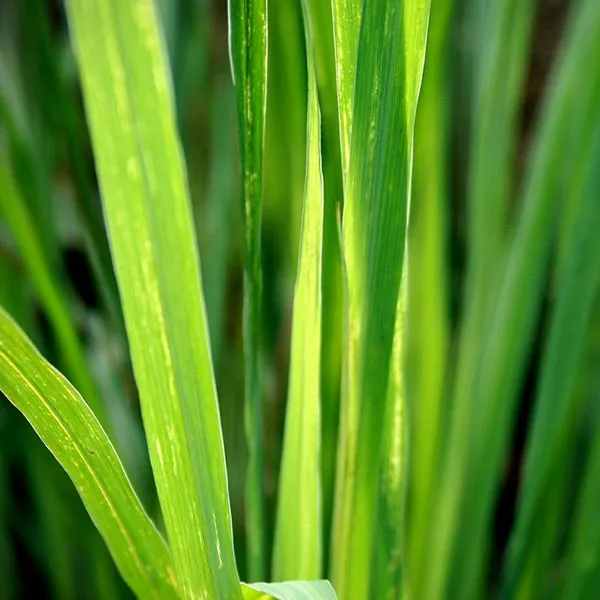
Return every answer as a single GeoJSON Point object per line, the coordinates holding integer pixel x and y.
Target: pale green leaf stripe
{"type": "Point", "coordinates": [375, 215]}
{"type": "Point", "coordinates": [556, 415]}
{"type": "Point", "coordinates": [16, 215]}
{"type": "Point", "coordinates": [248, 54]}
{"type": "Point", "coordinates": [70, 430]}
{"type": "Point", "coordinates": [298, 533]}
{"type": "Point", "coordinates": [289, 590]}
{"type": "Point", "coordinates": [346, 27]}
{"type": "Point", "coordinates": [129, 106]}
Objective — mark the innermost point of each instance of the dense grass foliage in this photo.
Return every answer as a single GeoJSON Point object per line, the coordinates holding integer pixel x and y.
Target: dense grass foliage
{"type": "Point", "coordinates": [303, 292]}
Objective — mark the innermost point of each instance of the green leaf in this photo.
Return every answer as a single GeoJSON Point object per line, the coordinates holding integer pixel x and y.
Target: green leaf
{"type": "Point", "coordinates": [388, 545]}
{"type": "Point", "coordinates": [583, 572]}
{"type": "Point", "coordinates": [72, 433]}
{"type": "Point", "coordinates": [556, 407]}
{"type": "Point", "coordinates": [346, 27]}
{"type": "Point", "coordinates": [17, 216]}
{"type": "Point", "coordinates": [374, 227]}
{"type": "Point", "coordinates": [248, 53]}
{"type": "Point", "coordinates": [428, 333]}
{"type": "Point", "coordinates": [289, 590]}
{"type": "Point", "coordinates": [129, 106]}
{"type": "Point", "coordinates": [478, 441]}
{"type": "Point", "coordinates": [298, 534]}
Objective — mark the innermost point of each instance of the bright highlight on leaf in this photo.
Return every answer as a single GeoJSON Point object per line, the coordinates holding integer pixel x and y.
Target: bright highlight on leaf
{"type": "Point", "coordinates": [298, 543]}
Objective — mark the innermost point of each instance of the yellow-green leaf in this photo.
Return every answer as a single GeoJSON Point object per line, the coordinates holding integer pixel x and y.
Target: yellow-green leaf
{"type": "Point", "coordinates": [73, 434]}
{"type": "Point", "coordinates": [129, 106]}
{"type": "Point", "coordinates": [298, 534]}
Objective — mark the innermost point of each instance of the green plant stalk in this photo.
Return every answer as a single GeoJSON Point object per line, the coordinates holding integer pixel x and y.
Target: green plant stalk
{"type": "Point", "coordinates": [130, 110]}
{"type": "Point", "coordinates": [248, 50]}
{"type": "Point", "coordinates": [298, 547]}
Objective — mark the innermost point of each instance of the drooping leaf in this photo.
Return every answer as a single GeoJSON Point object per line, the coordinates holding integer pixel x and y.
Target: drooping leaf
{"type": "Point", "coordinates": [129, 107]}
{"type": "Point", "coordinates": [298, 534]}
{"type": "Point", "coordinates": [248, 53]}
{"type": "Point", "coordinates": [70, 430]}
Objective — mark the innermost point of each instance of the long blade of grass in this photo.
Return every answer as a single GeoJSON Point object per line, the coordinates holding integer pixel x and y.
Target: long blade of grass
{"type": "Point", "coordinates": [583, 573]}
{"type": "Point", "coordinates": [70, 430]}
{"type": "Point", "coordinates": [129, 106]}
{"type": "Point", "coordinates": [18, 218]}
{"type": "Point", "coordinates": [388, 553]}
{"type": "Point", "coordinates": [61, 113]}
{"type": "Point", "coordinates": [556, 415]}
{"type": "Point", "coordinates": [290, 590]}
{"type": "Point", "coordinates": [298, 534]}
{"type": "Point", "coordinates": [331, 322]}
{"type": "Point", "coordinates": [499, 75]}
{"type": "Point", "coordinates": [465, 507]}
{"type": "Point", "coordinates": [248, 51]}
{"type": "Point", "coordinates": [428, 334]}
{"type": "Point", "coordinates": [374, 227]}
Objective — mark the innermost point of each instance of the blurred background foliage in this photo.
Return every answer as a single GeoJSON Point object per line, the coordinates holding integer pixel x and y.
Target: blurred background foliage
{"type": "Point", "coordinates": [489, 70]}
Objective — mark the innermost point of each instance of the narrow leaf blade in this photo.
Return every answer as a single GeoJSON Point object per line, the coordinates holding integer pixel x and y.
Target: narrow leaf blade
{"type": "Point", "coordinates": [130, 111]}
{"type": "Point", "coordinates": [248, 54]}
{"type": "Point", "coordinates": [72, 433]}
{"type": "Point", "coordinates": [298, 535]}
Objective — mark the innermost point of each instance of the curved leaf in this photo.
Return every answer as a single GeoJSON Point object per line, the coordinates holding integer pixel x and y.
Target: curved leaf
{"type": "Point", "coordinates": [72, 433]}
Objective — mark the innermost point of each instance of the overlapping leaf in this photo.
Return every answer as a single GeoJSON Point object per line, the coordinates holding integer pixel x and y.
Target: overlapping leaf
{"type": "Point", "coordinates": [129, 106]}
{"type": "Point", "coordinates": [73, 434]}
{"type": "Point", "coordinates": [248, 53]}
{"type": "Point", "coordinates": [298, 536]}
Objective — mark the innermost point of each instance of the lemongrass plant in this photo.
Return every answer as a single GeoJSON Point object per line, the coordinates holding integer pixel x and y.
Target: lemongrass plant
{"type": "Point", "coordinates": [380, 463]}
